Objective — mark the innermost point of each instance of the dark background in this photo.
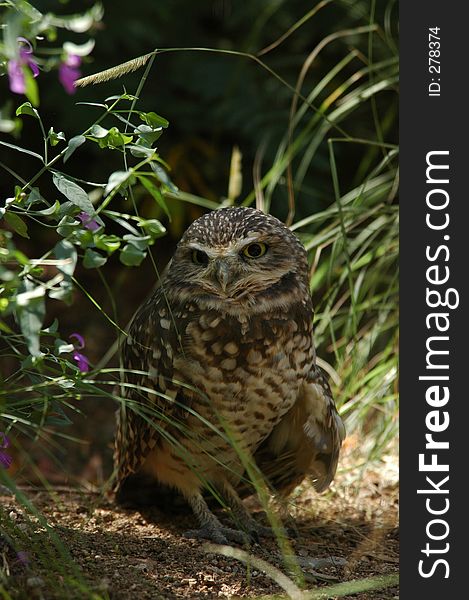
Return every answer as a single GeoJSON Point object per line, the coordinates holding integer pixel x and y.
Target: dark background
{"type": "Point", "coordinates": [212, 101]}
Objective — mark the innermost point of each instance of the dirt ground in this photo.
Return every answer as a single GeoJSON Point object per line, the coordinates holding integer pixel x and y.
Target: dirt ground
{"type": "Point", "coordinates": [349, 533]}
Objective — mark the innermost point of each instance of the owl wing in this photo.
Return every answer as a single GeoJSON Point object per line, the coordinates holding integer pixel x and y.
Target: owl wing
{"type": "Point", "coordinates": [150, 399]}
{"type": "Point", "coordinates": [307, 440]}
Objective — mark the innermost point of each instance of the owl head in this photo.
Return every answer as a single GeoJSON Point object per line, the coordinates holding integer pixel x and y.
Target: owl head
{"type": "Point", "coordinates": [238, 257]}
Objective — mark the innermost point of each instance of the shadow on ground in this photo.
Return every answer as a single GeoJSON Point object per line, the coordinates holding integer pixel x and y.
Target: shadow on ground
{"type": "Point", "coordinates": [123, 553]}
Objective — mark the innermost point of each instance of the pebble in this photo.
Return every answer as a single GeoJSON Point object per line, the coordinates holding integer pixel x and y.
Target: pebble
{"type": "Point", "coordinates": [215, 570]}
{"type": "Point", "coordinates": [34, 582]}
{"type": "Point", "coordinates": [320, 563]}
{"type": "Point", "coordinates": [364, 559]}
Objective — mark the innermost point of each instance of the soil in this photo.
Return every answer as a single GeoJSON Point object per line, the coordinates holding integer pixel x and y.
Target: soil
{"type": "Point", "coordinates": [128, 554]}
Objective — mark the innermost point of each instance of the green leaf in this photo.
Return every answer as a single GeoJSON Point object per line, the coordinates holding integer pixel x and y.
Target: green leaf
{"type": "Point", "coordinates": [25, 7]}
{"type": "Point", "coordinates": [21, 258]}
{"type": "Point", "coordinates": [140, 242]}
{"type": "Point", "coordinates": [131, 256]}
{"type": "Point", "coordinates": [98, 132]}
{"type": "Point", "coordinates": [154, 120]}
{"type": "Point", "coordinates": [116, 139]}
{"type": "Point", "coordinates": [74, 193]}
{"type": "Point", "coordinates": [73, 144]}
{"type": "Point", "coordinates": [109, 138]}
{"type": "Point", "coordinates": [68, 209]}
{"type": "Point", "coordinates": [36, 271]}
{"type": "Point", "coordinates": [152, 227]}
{"type": "Point", "coordinates": [147, 134]}
{"type": "Point", "coordinates": [54, 138]}
{"type": "Point", "coordinates": [155, 192]}
{"type": "Point", "coordinates": [17, 224]}
{"type": "Point", "coordinates": [63, 292]}
{"type": "Point", "coordinates": [162, 176]}
{"type": "Point", "coordinates": [67, 225]}
{"type": "Point", "coordinates": [27, 109]}
{"type": "Point", "coordinates": [116, 180]}
{"type": "Point", "coordinates": [141, 150]}
{"type": "Point", "coordinates": [31, 310]}
{"type": "Point", "coordinates": [66, 384]}
{"type": "Point", "coordinates": [34, 197]}
{"type": "Point", "coordinates": [108, 243]}
{"type": "Point", "coordinates": [93, 259]}
{"type": "Point", "coordinates": [47, 212]}
{"type": "Point", "coordinates": [53, 327]}
{"type": "Point", "coordinates": [84, 237]}
{"type": "Point", "coordinates": [66, 253]}
{"type": "Point", "coordinates": [57, 415]}
{"type": "Point", "coordinates": [121, 97]}
{"type": "Point", "coordinates": [4, 327]}
{"type": "Point", "coordinates": [32, 91]}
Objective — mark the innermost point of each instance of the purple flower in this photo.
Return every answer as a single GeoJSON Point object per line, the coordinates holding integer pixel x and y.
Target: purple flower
{"type": "Point", "coordinates": [69, 72]}
{"type": "Point", "coordinates": [88, 221]}
{"type": "Point", "coordinates": [16, 76]}
{"type": "Point", "coordinates": [5, 458]}
{"type": "Point", "coordinates": [80, 344]}
{"type": "Point", "coordinates": [81, 360]}
{"type": "Point", "coordinates": [22, 558]}
{"type": "Point", "coordinates": [16, 67]}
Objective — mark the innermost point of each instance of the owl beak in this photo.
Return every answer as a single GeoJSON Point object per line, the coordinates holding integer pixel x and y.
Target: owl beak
{"type": "Point", "coordinates": [222, 273]}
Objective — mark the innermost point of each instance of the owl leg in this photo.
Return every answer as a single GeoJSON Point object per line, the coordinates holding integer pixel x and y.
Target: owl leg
{"type": "Point", "coordinates": [210, 526]}
{"type": "Point", "coordinates": [242, 516]}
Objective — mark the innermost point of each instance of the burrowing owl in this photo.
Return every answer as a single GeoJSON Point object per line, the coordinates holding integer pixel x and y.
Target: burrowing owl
{"type": "Point", "coordinates": [219, 368]}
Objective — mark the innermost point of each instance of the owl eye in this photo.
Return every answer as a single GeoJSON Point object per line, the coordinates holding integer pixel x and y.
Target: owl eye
{"type": "Point", "coordinates": [199, 258]}
{"type": "Point", "coordinates": [255, 250]}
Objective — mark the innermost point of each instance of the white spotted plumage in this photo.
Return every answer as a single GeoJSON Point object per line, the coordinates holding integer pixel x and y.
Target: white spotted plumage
{"type": "Point", "coordinates": [227, 345]}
